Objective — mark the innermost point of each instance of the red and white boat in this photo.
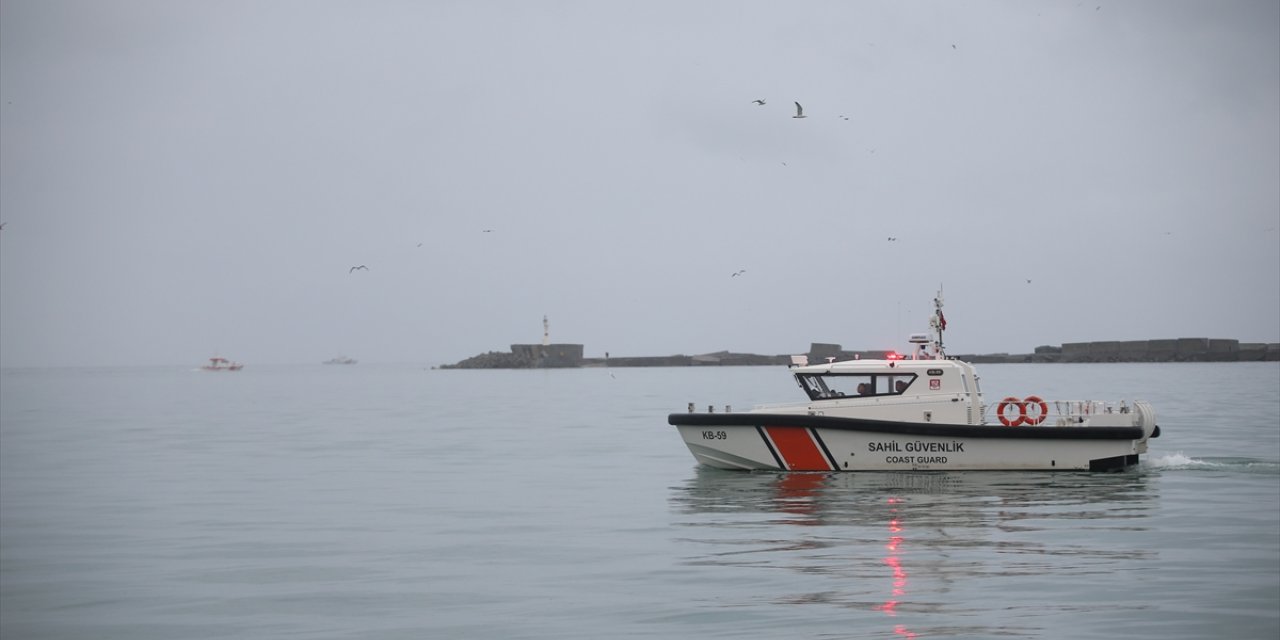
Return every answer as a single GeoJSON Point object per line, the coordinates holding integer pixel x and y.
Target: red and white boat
{"type": "Point", "coordinates": [922, 412]}
{"type": "Point", "coordinates": [217, 363]}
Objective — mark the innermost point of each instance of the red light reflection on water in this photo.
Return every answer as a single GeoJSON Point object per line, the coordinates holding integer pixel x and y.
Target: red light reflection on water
{"type": "Point", "coordinates": [899, 573]}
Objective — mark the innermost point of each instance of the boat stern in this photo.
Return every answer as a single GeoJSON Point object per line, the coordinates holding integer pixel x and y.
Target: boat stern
{"type": "Point", "coordinates": [1146, 419]}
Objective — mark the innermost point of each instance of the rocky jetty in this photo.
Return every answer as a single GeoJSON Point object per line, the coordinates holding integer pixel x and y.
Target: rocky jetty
{"type": "Point", "coordinates": [525, 356]}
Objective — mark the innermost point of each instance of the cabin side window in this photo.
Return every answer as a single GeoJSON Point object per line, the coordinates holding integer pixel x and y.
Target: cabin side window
{"type": "Point", "coordinates": [894, 384]}
{"type": "Point", "coordinates": [852, 386]}
{"type": "Point", "coordinates": [826, 387]}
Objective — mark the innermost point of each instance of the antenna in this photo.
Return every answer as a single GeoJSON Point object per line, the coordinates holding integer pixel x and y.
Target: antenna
{"type": "Point", "coordinates": [938, 322]}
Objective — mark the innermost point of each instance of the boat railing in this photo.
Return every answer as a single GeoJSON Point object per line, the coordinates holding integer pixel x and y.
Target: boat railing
{"type": "Point", "coordinates": [778, 406]}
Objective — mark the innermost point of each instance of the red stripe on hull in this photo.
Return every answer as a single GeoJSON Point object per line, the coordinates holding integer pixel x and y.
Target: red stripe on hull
{"type": "Point", "coordinates": [798, 450]}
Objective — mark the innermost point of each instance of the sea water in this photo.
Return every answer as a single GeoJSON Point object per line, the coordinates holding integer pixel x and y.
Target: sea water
{"type": "Point", "coordinates": [397, 501]}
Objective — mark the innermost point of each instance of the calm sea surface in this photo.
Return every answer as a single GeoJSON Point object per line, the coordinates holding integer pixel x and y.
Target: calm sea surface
{"type": "Point", "coordinates": [375, 501]}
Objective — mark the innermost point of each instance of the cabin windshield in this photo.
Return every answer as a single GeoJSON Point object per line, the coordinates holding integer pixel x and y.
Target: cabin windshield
{"type": "Point", "coordinates": [826, 387]}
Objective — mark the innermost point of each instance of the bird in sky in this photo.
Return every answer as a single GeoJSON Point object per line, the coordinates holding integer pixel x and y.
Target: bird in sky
{"type": "Point", "coordinates": [487, 231]}
{"type": "Point", "coordinates": [799, 111]}
{"type": "Point", "coordinates": [361, 267]}
{"type": "Point", "coordinates": [893, 239]}
{"type": "Point", "coordinates": [759, 102]}
{"type": "Point", "coordinates": [737, 273]}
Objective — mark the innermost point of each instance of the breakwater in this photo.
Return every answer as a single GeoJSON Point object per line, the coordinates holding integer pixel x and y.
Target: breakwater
{"type": "Point", "coordinates": [550, 356]}
{"type": "Point", "coordinates": [1171, 350]}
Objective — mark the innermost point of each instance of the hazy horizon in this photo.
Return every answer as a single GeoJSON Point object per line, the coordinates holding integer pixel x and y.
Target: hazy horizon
{"type": "Point", "coordinates": [185, 179]}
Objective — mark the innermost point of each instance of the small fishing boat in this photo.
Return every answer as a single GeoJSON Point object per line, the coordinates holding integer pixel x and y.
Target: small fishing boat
{"type": "Point", "coordinates": [217, 363]}
{"type": "Point", "coordinates": [919, 412]}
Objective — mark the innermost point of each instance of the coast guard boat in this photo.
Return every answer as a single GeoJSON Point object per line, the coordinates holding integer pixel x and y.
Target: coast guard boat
{"type": "Point", "coordinates": [922, 412]}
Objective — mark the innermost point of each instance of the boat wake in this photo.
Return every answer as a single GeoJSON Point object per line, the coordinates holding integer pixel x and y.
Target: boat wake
{"type": "Point", "coordinates": [1180, 462]}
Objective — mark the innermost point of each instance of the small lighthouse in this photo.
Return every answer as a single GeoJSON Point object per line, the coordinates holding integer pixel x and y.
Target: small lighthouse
{"type": "Point", "coordinates": [546, 332]}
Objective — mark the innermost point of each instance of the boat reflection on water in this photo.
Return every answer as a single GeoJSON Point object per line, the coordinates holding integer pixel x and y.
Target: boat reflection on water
{"type": "Point", "coordinates": [919, 550]}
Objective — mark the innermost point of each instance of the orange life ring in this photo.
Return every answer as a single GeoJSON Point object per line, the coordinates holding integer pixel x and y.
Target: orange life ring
{"type": "Point", "coordinates": [1038, 418]}
{"type": "Point", "coordinates": [1011, 401]}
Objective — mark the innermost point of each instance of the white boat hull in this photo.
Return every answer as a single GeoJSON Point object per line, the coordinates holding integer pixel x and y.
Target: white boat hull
{"type": "Point", "coordinates": [780, 442]}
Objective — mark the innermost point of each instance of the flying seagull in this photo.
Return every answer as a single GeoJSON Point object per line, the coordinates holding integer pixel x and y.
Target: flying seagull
{"type": "Point", "coordinates": [799, 111]}
{"type": "Point", "coordinates": [760, 102]}
{"type": "Point", "coordinates": [892, 239]}
{"type": "Point", "coordinates": [738, 273]}
{"type": "Point", "coordinates": [359, 267]}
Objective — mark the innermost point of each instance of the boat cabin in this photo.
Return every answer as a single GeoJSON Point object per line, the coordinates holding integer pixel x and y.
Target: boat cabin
{"type": "Point", "coordinates": [886, 378]}
{"type": "Point", "coordinates": [885, 389]}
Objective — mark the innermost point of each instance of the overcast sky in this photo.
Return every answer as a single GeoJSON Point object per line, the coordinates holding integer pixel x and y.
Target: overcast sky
{"type": "Point", "coordinates": [185, 178]}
